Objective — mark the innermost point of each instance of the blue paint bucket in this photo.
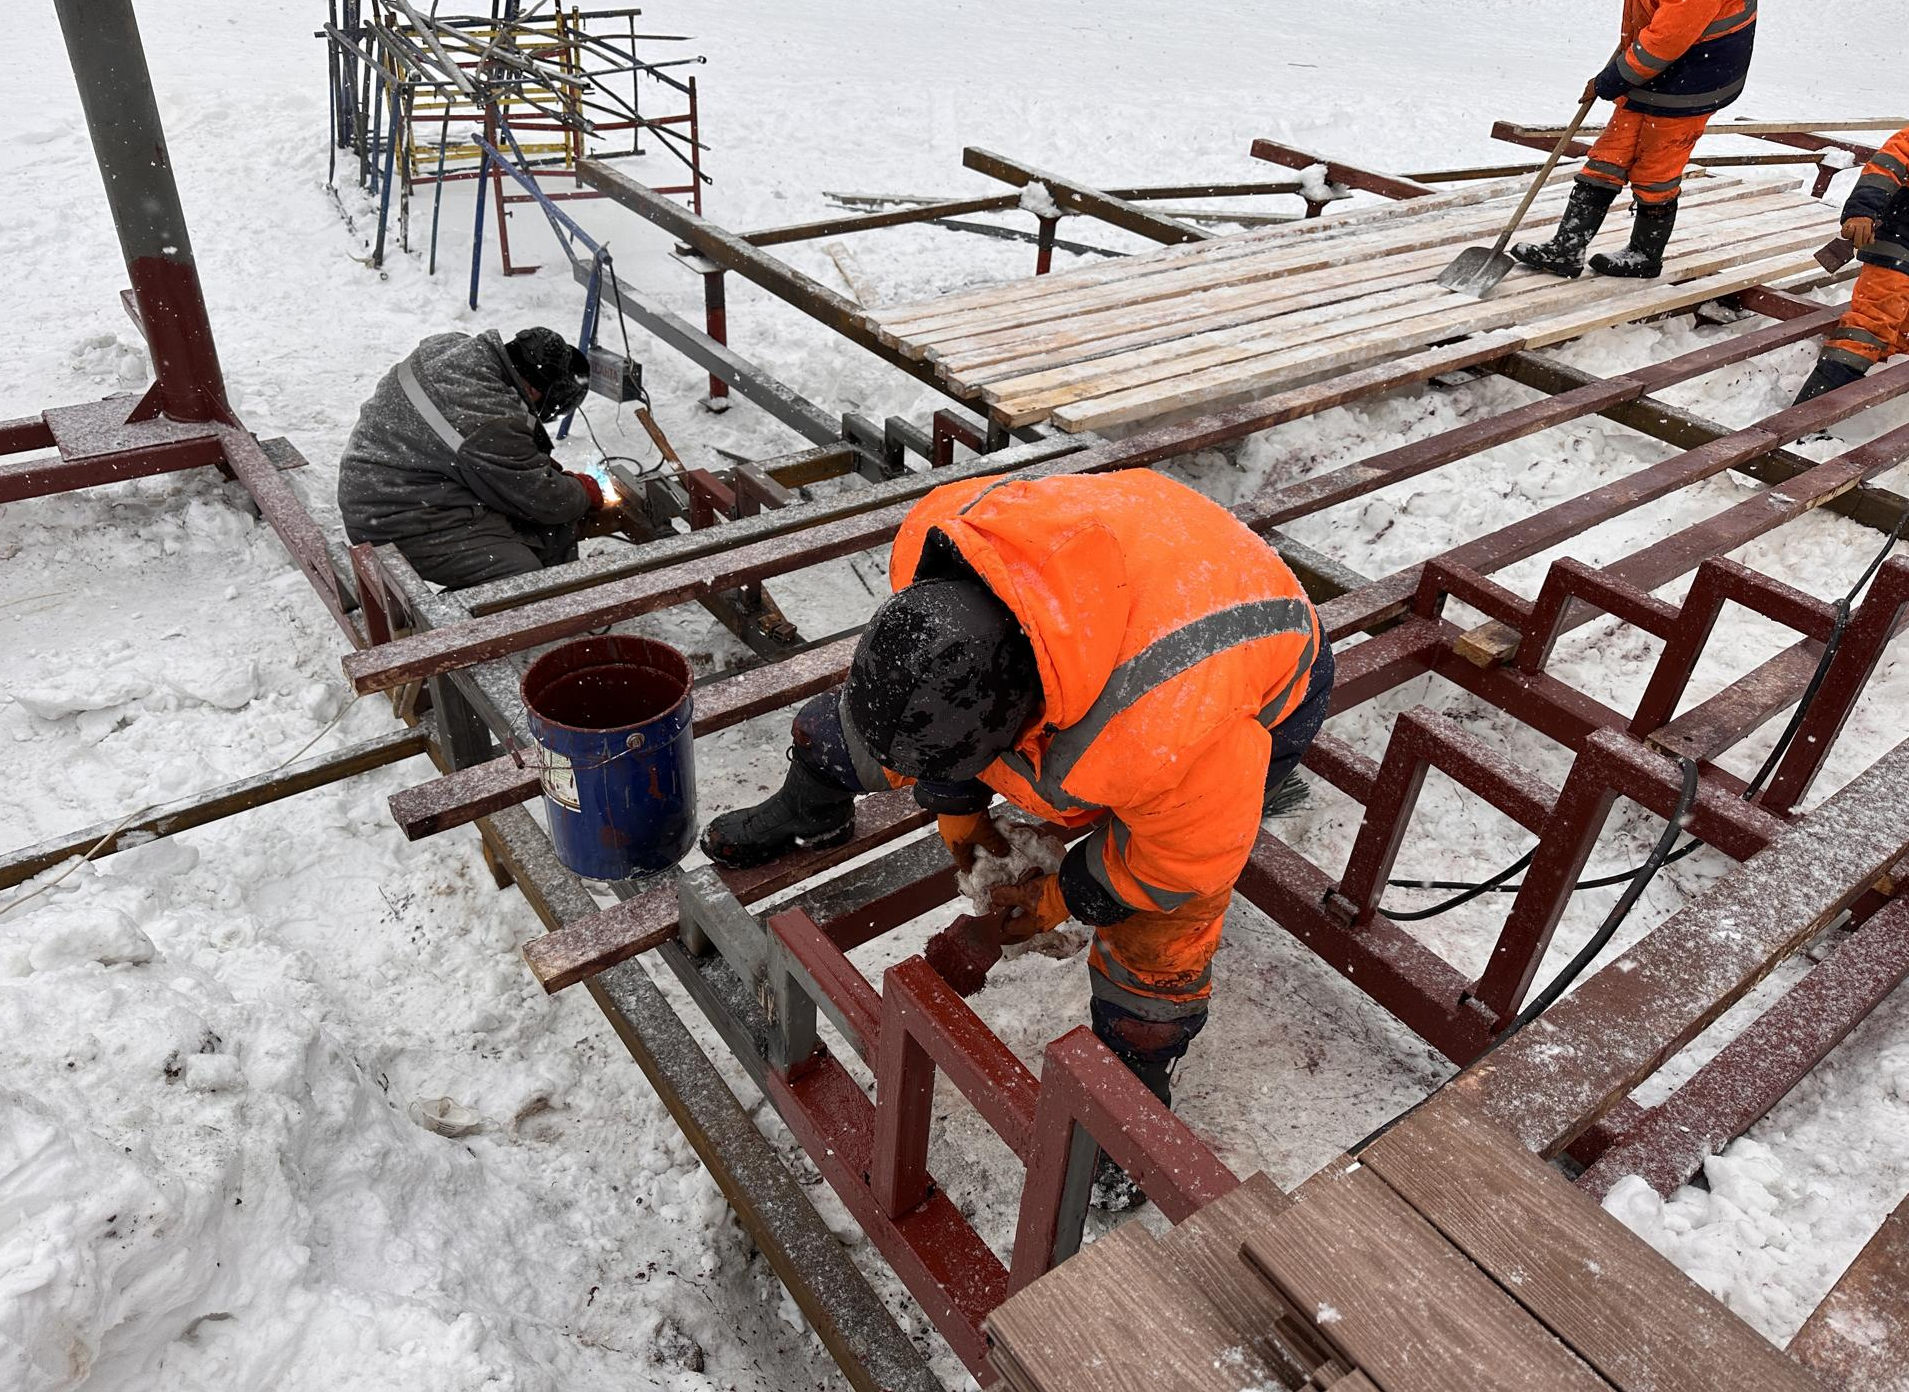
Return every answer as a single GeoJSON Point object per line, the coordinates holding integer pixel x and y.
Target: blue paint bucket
{"type": "Point", "coordinates": [612, 717]}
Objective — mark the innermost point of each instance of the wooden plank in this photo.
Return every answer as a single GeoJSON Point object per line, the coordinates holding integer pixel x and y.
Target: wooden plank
{"type": "Point", "coordinates": [1877, 123]}
{"type": "Point", "coordinates": [1625, 1310]}
{"type": "Point", "coordinates": [1858, 1338]}
{"type": "Point", "coordinates": [1249, 376]}
{"type": "Point", "coordinates": [1206, 1250]}
{"type": "Point", "coordinates": [1112, 1319]}
{"type": "Point", "coordinates": [1550, 1082]}
{"type": "Point", "coordinates": [1402, 1305]}
{"type": "Point", "coordinates": [1333, 225]}
{"type": "Point", "coordinates": [1233, 261]}
{"type": "Point", "coordinates": [1230, 259]}
{"type": "Point", "coordinates": [1765, 230]}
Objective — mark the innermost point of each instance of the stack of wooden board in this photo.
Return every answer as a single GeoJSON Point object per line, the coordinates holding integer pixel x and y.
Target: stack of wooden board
{"type": "Point", "coordinates": [1446, 1257]}
{"type": "Point", "coordinates": [1235, 317]}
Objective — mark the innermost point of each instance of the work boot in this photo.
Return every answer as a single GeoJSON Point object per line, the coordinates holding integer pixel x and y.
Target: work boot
{"type": "Point", "coordinates": [1643, 259]}
{"type": "Point", "coordinates": [1114, 1190]}
{"type": "Point", "coordinates": [1563, 255]}
{"type": "Point", "coordinates": [1830, 374]}
{"type": "Point", "coordinates": [809, 811]}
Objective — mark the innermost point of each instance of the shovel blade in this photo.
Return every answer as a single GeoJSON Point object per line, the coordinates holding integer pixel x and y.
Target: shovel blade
{"type": "Point", "coordinates": [1477, 272]}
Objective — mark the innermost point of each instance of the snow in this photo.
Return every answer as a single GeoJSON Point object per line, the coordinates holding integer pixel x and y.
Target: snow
{"type": "Point", "coordinates": [223, 1053]}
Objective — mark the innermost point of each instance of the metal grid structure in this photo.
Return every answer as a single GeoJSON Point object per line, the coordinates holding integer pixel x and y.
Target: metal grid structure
{"type": "Point", "coordinates": [767, 986]}
{"type": "Point", "coordinates": [764, 983]}
{"type": "Point", "coordinates": [408, 92]}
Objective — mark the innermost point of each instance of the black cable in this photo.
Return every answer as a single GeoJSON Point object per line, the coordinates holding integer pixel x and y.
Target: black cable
{"type": "Point", "coordinates": [1640, 879]}
{"type": "Point", "coordinates": [1842, 611]}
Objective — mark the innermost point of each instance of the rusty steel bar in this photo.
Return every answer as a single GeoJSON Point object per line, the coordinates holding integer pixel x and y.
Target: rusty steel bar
{"type": "Point", "coordinates": [122, 116]}
{"type": "Point", "coordinates": [1337, 172]}
{"type": "Point", "coordinates": [1079, 198]}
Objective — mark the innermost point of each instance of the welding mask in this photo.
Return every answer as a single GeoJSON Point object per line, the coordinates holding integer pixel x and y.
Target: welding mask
{"type": "Point", "coordinates": [556, 371]}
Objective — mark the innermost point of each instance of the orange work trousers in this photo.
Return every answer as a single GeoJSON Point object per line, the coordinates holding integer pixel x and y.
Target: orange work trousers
{"type": "Point", "coordinates": [1647, 152]}
{"type": "Point", "coordinates": [1877, 324]}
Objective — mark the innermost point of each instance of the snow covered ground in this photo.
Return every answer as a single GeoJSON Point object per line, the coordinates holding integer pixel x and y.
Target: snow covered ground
{"type": "Point", "coordinates": [211, 1047]}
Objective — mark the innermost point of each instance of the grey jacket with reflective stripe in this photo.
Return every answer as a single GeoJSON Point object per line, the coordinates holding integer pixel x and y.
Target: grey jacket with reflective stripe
{"type": "Point", "coordinates": [468, 458]}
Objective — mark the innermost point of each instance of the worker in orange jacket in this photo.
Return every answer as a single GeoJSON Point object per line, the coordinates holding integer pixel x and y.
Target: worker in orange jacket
{"type": "Point", "coordinates": [1876, 221]}
{"type": "Point", "coordinates": [1114, 652]}
{"type": "Point", "coordinates": [1682, 61]}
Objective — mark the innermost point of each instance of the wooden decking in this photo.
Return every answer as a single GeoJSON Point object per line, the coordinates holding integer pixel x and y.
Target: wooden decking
{"type": "Point", "coordinates": [1446, 1257]}
{"type": "Point", "coordinates": [1235, 317]}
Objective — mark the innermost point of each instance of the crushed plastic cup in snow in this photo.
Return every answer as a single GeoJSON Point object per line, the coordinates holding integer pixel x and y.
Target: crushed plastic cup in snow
{"type": "Point", "coordinates": [446, 1116]}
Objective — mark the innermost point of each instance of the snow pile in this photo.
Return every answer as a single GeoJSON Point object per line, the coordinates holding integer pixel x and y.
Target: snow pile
{"type": "Point", "coordinates": [1037, 198]}
{"type": "Point", "coordinates": [1315, 187]}
{"type": "Point", "coordinates": [1030, 852]}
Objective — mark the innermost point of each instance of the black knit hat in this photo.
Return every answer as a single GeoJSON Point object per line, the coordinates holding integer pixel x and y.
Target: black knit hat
{"type": "Point", "coordinates": [547, 362]}
{"type": "Point", "coordinates": [943, 681]}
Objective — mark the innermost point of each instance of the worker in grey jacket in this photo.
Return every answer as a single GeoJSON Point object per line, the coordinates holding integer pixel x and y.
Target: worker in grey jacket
{"type": "Point", "coordinates": [450, 459]}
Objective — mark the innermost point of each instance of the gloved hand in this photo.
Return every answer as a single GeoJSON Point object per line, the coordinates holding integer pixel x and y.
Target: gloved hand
{"type": "Point", "coordinates": [965, 835]}
{"type": "Point", "coordinates": [592, 490]}
{"type": "Point", "coordinates": [1611, 83]}
{"type": "Point", "coordinates": [1035, 906]}
{"type": "Point", "coordinates": [1861, 231]}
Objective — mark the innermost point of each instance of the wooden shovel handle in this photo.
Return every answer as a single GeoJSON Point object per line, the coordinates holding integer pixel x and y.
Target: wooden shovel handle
{"type": "Point", "coordinates": [1531, 194]}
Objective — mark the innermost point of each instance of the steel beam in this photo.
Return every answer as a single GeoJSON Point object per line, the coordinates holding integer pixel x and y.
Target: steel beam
{"type": "Point", "coordinates": [122, 116]}
{"type": "Point", "coordinates": [733, 253]}
{"type": "Point", "coordinates": [1337, 172]}
{"type": "Point", "coordinates": [216, 804]}
{"type": "Point", "coordinates": [836, 1299]}
{"type": "Point", "coordinates": [1079, 198]}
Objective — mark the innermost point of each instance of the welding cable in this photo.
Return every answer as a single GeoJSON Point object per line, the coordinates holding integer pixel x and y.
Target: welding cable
{"type": "Point", "coordinates": [1842, 611]}
{"type": "Point", "coordinates": [1640, 879]}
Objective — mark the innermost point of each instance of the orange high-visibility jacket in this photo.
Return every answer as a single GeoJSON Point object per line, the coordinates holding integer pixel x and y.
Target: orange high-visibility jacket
{"type": "Point", "coordinates": [1883, 194]}
{"type": "Point", "coordinates": [1686, 57]}
{"type": "Point", "coordinates": [1170, 639]}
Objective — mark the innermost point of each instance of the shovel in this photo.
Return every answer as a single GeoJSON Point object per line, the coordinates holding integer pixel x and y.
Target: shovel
{"type": "Point", "coordinates": [1478, 270]}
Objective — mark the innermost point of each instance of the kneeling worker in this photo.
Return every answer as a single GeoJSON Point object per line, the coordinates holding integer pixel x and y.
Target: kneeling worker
{"type": "Point", "coordinates": [1682, 62]}
{"type": "Point", "coordinates": [1117, 652]}
{"type": "Point", "coordinates": [450, 459]}
{"type": "Point", "coordinates": [1876, 221]}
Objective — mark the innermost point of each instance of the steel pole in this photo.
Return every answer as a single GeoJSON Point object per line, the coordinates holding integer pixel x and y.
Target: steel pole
{"type": "Point", "coordinates": [115, 86]}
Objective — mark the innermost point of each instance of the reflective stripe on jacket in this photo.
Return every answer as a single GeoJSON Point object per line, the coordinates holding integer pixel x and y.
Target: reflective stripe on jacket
{"type": "Point", "coordinates": [1169, 639]}
{"type": "Point", "coordinates": [1686, 57]}
{"type": "Point", "coordinates": [1883, 194]}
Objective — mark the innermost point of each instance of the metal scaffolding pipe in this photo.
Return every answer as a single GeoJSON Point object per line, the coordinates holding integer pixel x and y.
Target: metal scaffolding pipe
{"type": "Point", "coordinates": [115, 86]}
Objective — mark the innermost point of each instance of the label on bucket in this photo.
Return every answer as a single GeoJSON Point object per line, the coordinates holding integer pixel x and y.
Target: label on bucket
{"type": "Point", "coordinates": [560, 780]}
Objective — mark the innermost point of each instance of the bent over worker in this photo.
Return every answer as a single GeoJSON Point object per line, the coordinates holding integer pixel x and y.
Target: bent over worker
{"type": "Point", "coordinates": [1682, 62]}
{"type": "Point", "coordinates": [450, 459]}
{"type": "Point", "coordinates": [1876, 221]}
{"type": "Point", "coordinates": [1117, 652]}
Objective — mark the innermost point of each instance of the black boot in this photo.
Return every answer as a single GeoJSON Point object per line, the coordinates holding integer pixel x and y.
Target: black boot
{"type": "Point", "coordinates": [1643, 259]}
{"type": "Point", "coordinates": [1830, 374]}
{"type": "Point", "coordinates": [809, 811]}
{"type": "Point", "coordinates": [1114, 1190]}
{"type": "Point", "coordinates": [1563, 255]}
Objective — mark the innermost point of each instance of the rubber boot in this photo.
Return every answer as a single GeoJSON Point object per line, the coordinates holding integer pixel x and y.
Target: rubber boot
{"type": "Point", "coordinates": [1114, 1190]}
{"type": "Point", "coordinates": [1563, 255]}
{"type": "Point", "coordinates": [1643, 259]}
{"type": "Point", "coordinates": [1829, 375]}
{"type": "Point", "coordinates": [809, 811]}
